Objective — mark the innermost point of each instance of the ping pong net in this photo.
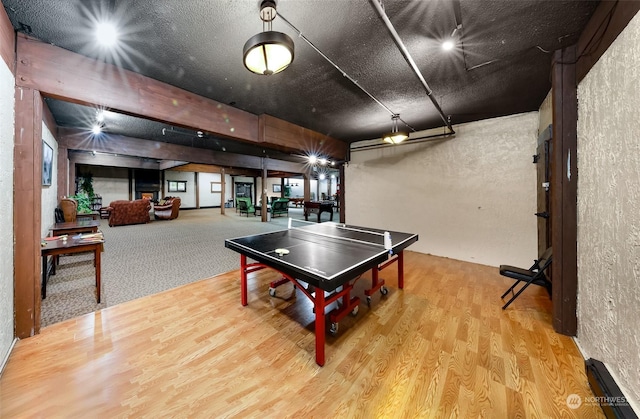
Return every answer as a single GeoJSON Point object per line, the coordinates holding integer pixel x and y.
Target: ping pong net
{"type": "Point", "coordinates": [341, 232]}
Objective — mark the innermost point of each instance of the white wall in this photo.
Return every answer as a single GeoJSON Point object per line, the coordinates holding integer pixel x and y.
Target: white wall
{"type": "Point", "coordinates": [609, 211]}
{"type": "Point", "coordinates": [188, 198]}
{"type": "Point", "coordinates": [7, 109]}
{"type": "Point", "coordinates": [472, 197]}
{"type": "Point", "coordinates": [49, 195]}
{"type": "Point", "coordinates": [297, 187]}
{"type": "Point", "coordinates": [207, 198]}
{"type": "Point", "coordinates": [111, 183]}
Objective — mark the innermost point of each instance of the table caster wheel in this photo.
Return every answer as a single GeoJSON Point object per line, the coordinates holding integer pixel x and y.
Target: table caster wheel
{"type": "Point", "coordinates": [354, 312]}
{"type": "Point", "coordinates": [384, 290]}
{"type": "Point", "coordinates": [369, 300]}
{"type": "Point", "coordinates": [272, 292]}
{"type": "Point", "coordinates": [333, 329]}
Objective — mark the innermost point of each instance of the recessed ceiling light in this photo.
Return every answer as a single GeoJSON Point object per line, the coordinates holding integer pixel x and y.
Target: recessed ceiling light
{"type": "Point", "coordinates": [448, 45]}
{"type": "Point", "coordinates": [100, 116]}
{"type": "Point", "coordinates": [312, 159]}
{"type": "Point", "coordinates": [106, 34]}
{"type": "Point", "coordinates": [96, 129]}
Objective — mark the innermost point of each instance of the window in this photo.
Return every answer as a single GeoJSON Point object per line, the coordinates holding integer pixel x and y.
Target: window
{"type": "Point", "coordinates": [177, 185]}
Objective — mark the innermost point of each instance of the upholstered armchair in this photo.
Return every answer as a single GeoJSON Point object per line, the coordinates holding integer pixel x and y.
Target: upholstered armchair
{"type": "Point", "coordinates": [167, 208]}
{"type": "Point", "coordinates": [280, 206]}
{"type": "Point", "coordinates": [129, 212]}
{"type": "Point", "coordinates": [245, 206]}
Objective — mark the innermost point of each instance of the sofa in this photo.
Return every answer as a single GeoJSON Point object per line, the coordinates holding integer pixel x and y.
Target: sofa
{"type": "Point", "coordinates": [167, 208]}
{"type": "Point", "coordinates": [280, 206]}
{"type": "Point", "coordinates": [129, 212]}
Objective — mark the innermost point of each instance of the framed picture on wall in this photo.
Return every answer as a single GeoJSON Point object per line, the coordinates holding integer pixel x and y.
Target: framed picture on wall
{"type": "Point", "coordinates": [277, 188]}
{"type": "Point", "coordinates": [47, 163]}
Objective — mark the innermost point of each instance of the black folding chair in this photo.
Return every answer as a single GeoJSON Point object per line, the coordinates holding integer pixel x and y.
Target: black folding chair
{"type": "Point", "coordinates": [534, 275]}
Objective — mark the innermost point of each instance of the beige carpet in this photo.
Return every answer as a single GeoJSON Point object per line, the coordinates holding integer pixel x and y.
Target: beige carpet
{"type": "Point", "coordinates": [144, 259]}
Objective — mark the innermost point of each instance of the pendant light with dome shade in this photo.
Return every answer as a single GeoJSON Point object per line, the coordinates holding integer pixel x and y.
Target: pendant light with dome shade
{"type": "Point", "coordinates": [395, 136]}
{"type": "Point", "coordinates": [268, 52]}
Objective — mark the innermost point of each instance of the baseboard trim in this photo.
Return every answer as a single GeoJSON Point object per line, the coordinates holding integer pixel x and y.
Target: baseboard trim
{"type": "Point", "coordinates": [611, 399]}
{"type": "Point", "coordinates": [6, 358]}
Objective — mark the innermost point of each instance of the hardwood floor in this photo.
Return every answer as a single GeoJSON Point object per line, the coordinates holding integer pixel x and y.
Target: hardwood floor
{"type": "Point", "coordinates": [442, 347]}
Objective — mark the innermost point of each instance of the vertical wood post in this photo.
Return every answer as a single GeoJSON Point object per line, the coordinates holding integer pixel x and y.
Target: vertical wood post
{"type": "Point", "coordinates": [564, 188]}
{"type": "Point", "coordinates": [223, 191]}
{"type": "Point", "coordinates": [263, 192]}
{"type": "Point", "coordinates": [343, 208]}
{"type": "Point", "coordinates": [197, 189]}
{"type": "Point", "coordinates": [26, 210]}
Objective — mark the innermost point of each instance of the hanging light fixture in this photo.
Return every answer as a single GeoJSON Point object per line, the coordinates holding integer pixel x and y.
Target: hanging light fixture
{"type": "Point", "coordinates": [395, 136]}
{"type": "Point", "coordinates": [268, 52]}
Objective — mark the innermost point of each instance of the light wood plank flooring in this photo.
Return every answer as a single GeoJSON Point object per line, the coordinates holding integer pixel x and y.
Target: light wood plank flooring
{"type": "Point", "coordinates": [440, 348]}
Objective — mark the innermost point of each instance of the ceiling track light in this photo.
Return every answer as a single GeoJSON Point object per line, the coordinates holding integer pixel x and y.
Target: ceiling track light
{"type": "Point", "coordinates": [268, 52]}
{"type": "Point", "coordinates": [395, 136]}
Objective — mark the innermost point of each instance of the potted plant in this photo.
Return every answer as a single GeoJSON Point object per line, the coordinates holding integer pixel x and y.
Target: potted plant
{"type": "Point", "coordinates": [84, 204]}
{"type": "Point", "coordinates": [85, 194]}
{"type": "Point", "coordinates": [86, 185]}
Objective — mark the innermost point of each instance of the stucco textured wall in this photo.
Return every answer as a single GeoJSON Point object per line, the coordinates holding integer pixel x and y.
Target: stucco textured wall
{"type": "Point", "coordinates": [472, 197]}
{"type": "Point", "coordinates": [7, 107]}
{"type": "Point", "coordinates": [609, 211]}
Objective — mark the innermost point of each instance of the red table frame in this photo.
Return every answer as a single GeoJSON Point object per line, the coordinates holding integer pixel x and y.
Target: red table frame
{"type": "Point", "coordinates": [318, 298]}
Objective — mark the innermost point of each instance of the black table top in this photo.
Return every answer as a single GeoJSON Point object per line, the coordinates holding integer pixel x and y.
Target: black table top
{"type": "Point", "coordinates": [325, 255]}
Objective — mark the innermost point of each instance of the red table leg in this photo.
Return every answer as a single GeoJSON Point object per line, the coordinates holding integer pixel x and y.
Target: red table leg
{"type": "Point", "coordinates": [401, 270]}
{"type": "Point", "coordinates": [320, 338]}
{"type": "Point", "coordinates": [243, 280]}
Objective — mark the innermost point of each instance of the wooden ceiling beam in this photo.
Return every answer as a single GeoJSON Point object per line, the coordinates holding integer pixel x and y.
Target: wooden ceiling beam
{"type": "Point", "coordinates": [607, 22]}
{"type": "Point", "coordinates": [280, 134]}
{"type": "Point", "coordinates": [113, 161]}
{"type": "Point", "coordinates": [72, 77]}
{"type": "Point", "coordinates": [75, 139]}
{"type": "Point", "coordinates": [171, 164]}
{"type": "Point", "coordinates": [201, 168]}
{"type": "Point", "coordinates": [68, 76]}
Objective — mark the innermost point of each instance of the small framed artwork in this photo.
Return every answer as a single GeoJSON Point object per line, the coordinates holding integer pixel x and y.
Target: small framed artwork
{"type": "Point", "coordinates": [47, 164]}
{"type": "Point", "coordinates": [277, 188]}
{"type": "Point", "coordinates": [216, 187]}
{"type": "Point", "coordinates": [177, 185]}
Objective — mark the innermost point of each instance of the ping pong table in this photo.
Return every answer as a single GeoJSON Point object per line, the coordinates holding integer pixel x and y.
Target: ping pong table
{"type": "Point", "coordinates": [328, 258]}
